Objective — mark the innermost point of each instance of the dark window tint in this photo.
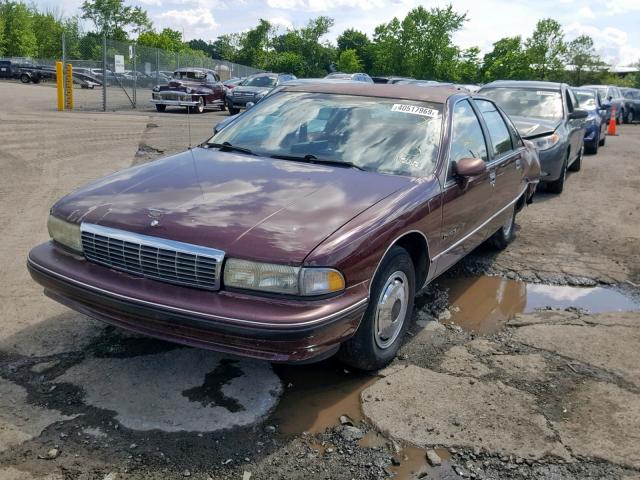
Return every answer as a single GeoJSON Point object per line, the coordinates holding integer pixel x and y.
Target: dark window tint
{"type": "Point", "coordinates": [500, 136]}
{"type": "Point", "coordinates": [467, 138]}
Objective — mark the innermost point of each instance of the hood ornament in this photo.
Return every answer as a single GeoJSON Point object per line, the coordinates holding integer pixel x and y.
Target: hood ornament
{"type": "Point", "coordinates": [154, 214]}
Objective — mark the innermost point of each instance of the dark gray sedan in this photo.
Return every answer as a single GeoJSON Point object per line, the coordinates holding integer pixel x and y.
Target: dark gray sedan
{"type": "Point", "coordinates": [255, 88]}
{"type": "Point", "coordinates": [545, 113]}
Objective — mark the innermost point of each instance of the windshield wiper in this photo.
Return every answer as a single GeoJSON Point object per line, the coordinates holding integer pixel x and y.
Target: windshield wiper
{"type": "Point", "coordinates": [310, 158]}
{"type": "Point", "coordinates": [226, 146]}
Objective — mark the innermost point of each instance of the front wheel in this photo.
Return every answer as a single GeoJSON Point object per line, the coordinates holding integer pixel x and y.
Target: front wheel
{"type": "Point", "coordinates": [388, 314]}
{"type": "Point", "coordinates": [24, 78]}
{"type": "Point", "coordinates": [199, 108]}
{"type": "Point", "coordinates": [577, 163]}
{"type": "Point", "coordinates": [233, 111]}
{"type": "Point", "coordinates": [592, 148]}
{"type": "Point", "coordinates": [161, 108]}
{"type": "Point", "coordinates": [630, 117]}
{"type": "Point", "coordinates": [557, 186]}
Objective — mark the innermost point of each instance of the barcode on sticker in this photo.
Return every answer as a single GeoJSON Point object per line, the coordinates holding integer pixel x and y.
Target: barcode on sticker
{"type": "Point", "coordinates": [414, 110]}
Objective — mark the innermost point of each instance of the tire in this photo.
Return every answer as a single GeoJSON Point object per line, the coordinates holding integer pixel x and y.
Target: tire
{"type": "Point", "coordinates": [373, 347]}
{"type": "Point", "coordinates": [199, 108]}
{"type": "Point", "coordinates": [577, 163]}
{"type": "Point", "coordinates": [234, 111]}
{"type": "Point", "coordinates": [629, 118]}
{"type": "Point", "coordinates": [603, 140]}
{"type": "Point", "coordinates": [223, 107]}
{"type": "Point", "coordinates": [592, 148]}
{"type": "Point", "coordinates": [505, 234]}
{"type": "Point", "coordinates": [24, 78]}
{"type": "Point", "coordinates": [619, 117]}
{"type": "Point", "coordinates": [161, 108]}
{"type": "Point", "coordinates": [558, 185]}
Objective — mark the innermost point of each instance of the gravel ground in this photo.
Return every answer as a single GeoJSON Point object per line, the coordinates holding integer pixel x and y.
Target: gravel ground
{"type": "Point", "coordinates": [551, 395]}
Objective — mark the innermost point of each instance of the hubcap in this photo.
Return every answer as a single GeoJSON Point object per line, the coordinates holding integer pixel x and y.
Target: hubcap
{"type": "Point", "coordinates": [391, 309]}
{"type": "Point", "coordinates": [506, 228]}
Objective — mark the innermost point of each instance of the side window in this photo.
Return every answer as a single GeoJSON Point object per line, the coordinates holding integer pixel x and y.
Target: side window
{"type": "Point", "coordinates": [467, 139]}
{"type": "Point", "coordinates": [498, 130]}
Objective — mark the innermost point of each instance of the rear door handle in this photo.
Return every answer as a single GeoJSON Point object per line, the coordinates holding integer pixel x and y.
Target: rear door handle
{"type": "Point", "coordinates": [518, 164]}
{"type": "Point", "coordinates": [492, 178]}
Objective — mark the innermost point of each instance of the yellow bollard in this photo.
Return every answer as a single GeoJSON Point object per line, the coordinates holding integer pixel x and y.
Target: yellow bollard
{"type": "Point", "coordinates": [69, 87]}
{"type": "Point", "coordinates": [60, 85]}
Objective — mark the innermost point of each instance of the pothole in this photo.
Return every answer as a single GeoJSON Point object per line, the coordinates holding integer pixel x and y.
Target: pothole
{"type": "Point", "coordinates": [485, 304]}
{"type": "Point", "coordinates": [317, 395]}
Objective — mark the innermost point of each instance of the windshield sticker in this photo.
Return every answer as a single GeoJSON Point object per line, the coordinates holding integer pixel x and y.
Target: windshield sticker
{"type": "Point", "coordinates": [545, 92]}
{"type": "Point", "coordinates": [415, 110]}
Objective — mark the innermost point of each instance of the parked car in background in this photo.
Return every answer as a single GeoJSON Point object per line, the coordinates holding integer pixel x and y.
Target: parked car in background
{"type": "Point", "coordinates": [232, 83]}
{"type": "Point", "coordinates": [413, 81]}
{"type": "Point", "coordinates": [595, 134]}
{"type": "Point", "coordinates": [194, 88]}
{"type": "Point", "coordinates": [546, 113]}
{"type": "Point", "coordinates": [632, 104]}
{"type": "Point", "coordinates": [613, 95]}
{"type": "Point", "coordinates": [357, 77]}
{"type": "Point", "coordinates": [303, 229]}
{"type": "Point", "coordinates": [254, 88]}
{"type": "Point", "coordinates": [298, 81]}
{"type": "Point", "coordinates": [379, 79]}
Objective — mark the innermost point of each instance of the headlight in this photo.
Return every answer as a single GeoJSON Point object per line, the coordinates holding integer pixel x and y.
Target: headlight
{"type": "Point", "coordinates": [65, 233]}
{"type": "Point", "coordinates": [261, 94]}
{"type": "Point", "coordinates": [544, 143]}
{"type": "Point", "coordinates": [156, 88]}
{"type": "Point", "coordinates": [275, 278]}
{"type": "Point", "coordinates": [188, 90]}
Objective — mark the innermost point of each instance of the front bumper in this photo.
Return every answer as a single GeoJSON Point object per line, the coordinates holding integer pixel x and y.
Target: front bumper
{"type": "Point", "coordinates": [277, 330]}
{"type": "Point", "coordinates": [551, 161]}
{"type": "Point", "coordinates": [175, 103]}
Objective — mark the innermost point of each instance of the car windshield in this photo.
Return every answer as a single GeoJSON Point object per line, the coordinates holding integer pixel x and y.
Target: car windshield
{"type": "Point", "coordinates": [189, 75]}
{"type": "Point", "coordinates": [586, 99]}
{"type": "Point", "coordinates": [628, 94]}
{"type": "Point", "coordinates": [400, 137]}
{"type": "Point", "coordinates": [339, 75]}
{"type": "Point", "coordinates": [524, 102]}
{"type": "Point", "coordinates": [261, 81]}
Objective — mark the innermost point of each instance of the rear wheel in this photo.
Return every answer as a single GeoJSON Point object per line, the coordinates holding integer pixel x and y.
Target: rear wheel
{"type": "Point", "coordinates": [506, 233]}
{"type": "Point", "coordinates": [388, 314]}
{"type": "Point", "coordinates": [161, 108]}
{"type": "Point", "coordinates": [558, 185]}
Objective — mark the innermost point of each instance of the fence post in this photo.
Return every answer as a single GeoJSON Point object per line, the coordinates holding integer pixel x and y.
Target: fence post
{"type": "Point", "coordinates": [104, 73]}
{"type": "Point", "coordinates": [157, 66]}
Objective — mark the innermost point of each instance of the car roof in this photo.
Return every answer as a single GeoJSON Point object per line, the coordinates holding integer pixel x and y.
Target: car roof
{"type": "Point", "coordinates": [524, 84]}
{"type": "Point", "coordinates": [193, 69]}
{"type": "Point", "coordinates": [435, 94]}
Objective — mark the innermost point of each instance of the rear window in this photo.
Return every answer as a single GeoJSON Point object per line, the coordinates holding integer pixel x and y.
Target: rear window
{"type": "Point", "coordinates": [527, 102]}
{"type": "Point", "coordinates": [586, 99]}
{"type": "Point", "coordinates": [190, 75]}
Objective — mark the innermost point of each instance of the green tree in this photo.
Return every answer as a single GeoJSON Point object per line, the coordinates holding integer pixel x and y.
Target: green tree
{"type": "Point", "coordinates": [352, 39]}
{"type": "Point", "coordinates": [19, 36]}
{"type": "Point", "coordinates": [469, 65]}
{"type": "Point", "coordinates": [507, 61]}
{"type": "Point", "coordinates": [289, 62]}
{"type": "Point", "coordinates": [420, 45]}
{"type": "Point", "coordinates": [48, 31]}
{"type": "Point", "coordinates": [349, 62]}
{"type": "Point", "coordinates": [113, 18]}
{"type": "Point", "coordinates": [226, 47]}
{"type": "Point", "coordinates": [2, 27]}
{"type": "Point", "coordinates": [254, 43]}
{"type": "Point", "coordinates": [167, 39]}
{"type": "Point", "coordinates": [545, 50]}
{"type": "Point", "coordinates": [583, 61]}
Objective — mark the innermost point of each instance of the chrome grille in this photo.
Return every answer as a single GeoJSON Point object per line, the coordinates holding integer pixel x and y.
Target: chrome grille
{"type": "Point", "coordinates": [171, 96]}
{"type": "Point", "coordinates": [152, 257]}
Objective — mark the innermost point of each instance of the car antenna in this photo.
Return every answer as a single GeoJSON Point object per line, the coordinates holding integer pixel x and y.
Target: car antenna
{"type": "Point", "coordinates": [189, 125]}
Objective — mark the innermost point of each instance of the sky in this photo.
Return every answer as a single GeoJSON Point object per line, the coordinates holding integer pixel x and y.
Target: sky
{"type": "Point", "coordinates": [613, 25]}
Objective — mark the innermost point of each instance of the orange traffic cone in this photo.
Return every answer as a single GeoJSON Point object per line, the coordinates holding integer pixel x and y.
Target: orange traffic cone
{"type": "Point", "coordinates": [612, 122]}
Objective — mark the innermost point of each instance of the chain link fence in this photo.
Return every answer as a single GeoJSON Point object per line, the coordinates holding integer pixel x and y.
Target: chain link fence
{"type": "Point", "coordinates": [114, 75]}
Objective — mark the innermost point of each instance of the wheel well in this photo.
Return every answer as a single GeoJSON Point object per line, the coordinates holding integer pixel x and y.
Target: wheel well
{"type": "Point", "coordinates": [416, 244]}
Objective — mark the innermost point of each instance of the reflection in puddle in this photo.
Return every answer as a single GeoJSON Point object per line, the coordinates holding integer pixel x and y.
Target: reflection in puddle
{"type": "Point", "coordinates": [318, 395]}
{"type": "Point", "coordinates": [484, 304]}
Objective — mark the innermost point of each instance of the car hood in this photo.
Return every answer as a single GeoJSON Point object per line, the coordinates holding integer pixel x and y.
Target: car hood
{"type": "Point", "coordinates": [245, 89]}
{"type": "Point", "coordinates": [248, 206]}
{"type": "Point", "coordinates": [534, 127]}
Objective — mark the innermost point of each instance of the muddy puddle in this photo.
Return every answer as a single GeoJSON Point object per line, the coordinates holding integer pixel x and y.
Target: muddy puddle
{"type": "Point", "coordinates": [484, 304]}
{"type": "Point", "coordinates": [316, 395]}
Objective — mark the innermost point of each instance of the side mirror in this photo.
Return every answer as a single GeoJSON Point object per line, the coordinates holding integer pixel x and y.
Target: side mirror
{"type": "Point", "coordinates": [606, 106]}
{"type": "Point", "coordinates": [578, 114]}
{"type": "Point", "coordinates": [470, 167]}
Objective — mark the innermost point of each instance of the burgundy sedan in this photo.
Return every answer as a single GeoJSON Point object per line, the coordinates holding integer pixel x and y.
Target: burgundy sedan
{"type": "Point", "coordinates": [303, 229]}
{"type": "Point", "coordinates": [193, 88]}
